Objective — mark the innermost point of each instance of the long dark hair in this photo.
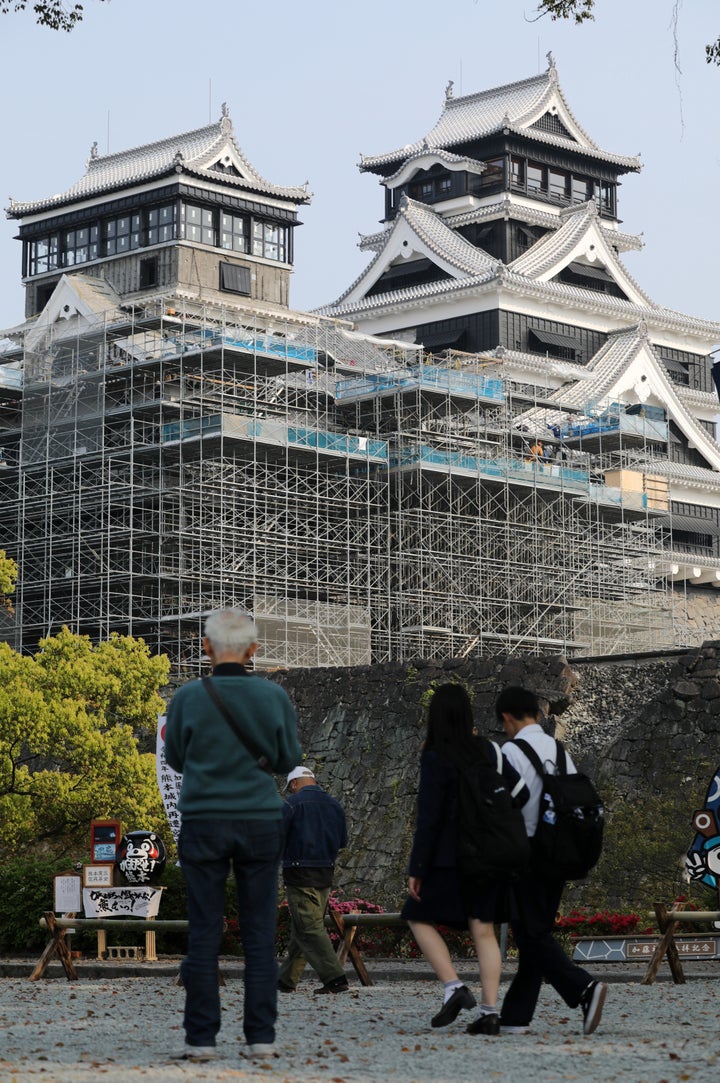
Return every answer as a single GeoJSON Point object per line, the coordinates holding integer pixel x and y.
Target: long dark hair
{"type": "Point", "coordinates": [450, 722]}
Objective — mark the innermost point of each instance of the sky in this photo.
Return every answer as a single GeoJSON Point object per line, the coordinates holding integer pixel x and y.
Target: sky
{"type": "Point", "coordinates": [311, 86]}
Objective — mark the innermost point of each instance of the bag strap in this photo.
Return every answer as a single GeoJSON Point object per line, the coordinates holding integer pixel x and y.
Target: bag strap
{"type": "Point", "coordinates": [498, 757]}
{"type": "Point", "coordinates": [561, 760]}
{"type": "Point", "coordinates": [260, 757]}
{"type": "Point", "coordinates": [531, 754]}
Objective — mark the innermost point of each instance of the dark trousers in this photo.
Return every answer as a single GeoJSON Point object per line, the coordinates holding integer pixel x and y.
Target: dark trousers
{"type": "Point", "coordinates": [207, 848]}
{"type": "Point", "coordinates": [540, 957]}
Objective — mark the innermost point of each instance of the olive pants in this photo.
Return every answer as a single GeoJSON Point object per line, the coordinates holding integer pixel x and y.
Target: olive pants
{"type": "Point", "coordinates": [309, 940]}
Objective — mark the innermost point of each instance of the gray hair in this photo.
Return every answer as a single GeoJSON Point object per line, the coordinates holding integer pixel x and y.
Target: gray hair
{"type": "Point", "coordinates": [231, 631]}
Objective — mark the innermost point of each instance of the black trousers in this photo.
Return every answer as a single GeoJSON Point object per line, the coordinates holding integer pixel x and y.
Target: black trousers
{"type": "Point", "coordinates": [534, 906]}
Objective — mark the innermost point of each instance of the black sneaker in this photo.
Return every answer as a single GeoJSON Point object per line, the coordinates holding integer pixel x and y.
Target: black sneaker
{"type": "Point", "coordinates": [461, 998]}
{"type": "Point", "coordinates": [488, 1023]}
{"type": "Point", "coordinates": [591, 1003]}
{"type": "Point", "coordinates": [337, 985]}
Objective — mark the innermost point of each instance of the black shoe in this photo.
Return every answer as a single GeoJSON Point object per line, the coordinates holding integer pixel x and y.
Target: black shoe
{"type": "Point", "coordinates": [461, 998]}
{"type": "Point", "coordinates": [489, 1023]}
{"type": "Point", "coordinates": [592, 1002]}
{"type": "Point", "coordinates": [283, 987]}
{"type": "Point", "coordinates": [337, 985]}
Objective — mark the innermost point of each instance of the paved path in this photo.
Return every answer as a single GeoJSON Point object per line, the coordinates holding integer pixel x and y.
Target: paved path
{"type": "Point", "coordinates": [119, 1029]}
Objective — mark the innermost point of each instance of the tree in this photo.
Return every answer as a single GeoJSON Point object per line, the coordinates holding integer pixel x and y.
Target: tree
{"type": "Point", "coordinates": [8, 578]}
{"type": "Point", "coordinates": [51, 13]}
{"type": "Point", "coordinates": [581, 10]}
{"type": "Point", "coordinates": [70, 719]}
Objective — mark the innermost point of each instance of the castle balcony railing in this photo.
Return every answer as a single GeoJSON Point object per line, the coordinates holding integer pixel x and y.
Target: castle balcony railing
{"type": "Point", "coordinates": [427, 377]}
{"type": "Point", "coordinates": [275, 432]}
{"type": "Point", "coordinates": [577, 482]}
{"type": "Point", "coordinates": [647, 425]}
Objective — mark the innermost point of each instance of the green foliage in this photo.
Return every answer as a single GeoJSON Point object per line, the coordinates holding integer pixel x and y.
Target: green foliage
{"type": "Point", "coordinates": [433, 686]}
{"type": "Point", "coordinates": [8, 578]}
{"type": "Point", "coordinates": [581, 10]}
{"type": "Point", "coordinates": [643, 853]}
{"type": "Point", "coordinates": [54, 14]}
{"type": "Point", "coordinates": [578, 10]}
{"type": "Point", "coordinates": [68, 746]}
{"type": "Point", "coordinates": [26, 891]}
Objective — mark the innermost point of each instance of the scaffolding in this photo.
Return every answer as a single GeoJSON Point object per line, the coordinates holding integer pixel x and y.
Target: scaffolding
{"type": "Point", "coordinates": [364, 501]}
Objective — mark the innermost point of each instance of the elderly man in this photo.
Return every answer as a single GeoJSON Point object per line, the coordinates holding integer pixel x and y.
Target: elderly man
{"type": "Point", "coordinates": [226, 734]}
{"type": "Point", "coordinates": [315, 831]}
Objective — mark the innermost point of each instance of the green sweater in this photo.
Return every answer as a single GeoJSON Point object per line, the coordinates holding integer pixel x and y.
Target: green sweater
{"type": "Point", "coordinates": [221, 778]}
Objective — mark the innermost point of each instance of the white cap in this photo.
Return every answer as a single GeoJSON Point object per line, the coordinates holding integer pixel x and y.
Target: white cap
{"type": "Point", "coordinates": [298, 772]}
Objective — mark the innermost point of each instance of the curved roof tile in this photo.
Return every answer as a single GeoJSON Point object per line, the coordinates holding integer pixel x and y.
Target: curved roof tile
{"type": "Point", "coordinates": [515, 106]}
{"type": "Point", "coordinates": [191, 151]}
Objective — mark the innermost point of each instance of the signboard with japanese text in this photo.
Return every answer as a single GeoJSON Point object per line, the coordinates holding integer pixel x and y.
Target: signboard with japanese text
{"type": "Point", "coordinates": [66, 893]}
{"type": "Point", "coordinates": [122, 902]}
{"type": "Point", "coordinates": [619, 949]}
{"type": "Point", "coordinates": [98, 875]}
{"type": "Point", "coordinates": [169, 781]}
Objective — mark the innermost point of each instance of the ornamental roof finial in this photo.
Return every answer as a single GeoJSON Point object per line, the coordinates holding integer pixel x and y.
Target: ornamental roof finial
{"type": "Point", "coordinates": [550, 59]}
{"type": "Point", "coordinates": [225, 110]}
{"type": "Point", "coordinates": [449, 90]}
{"type": "Point", "coordinates": [94, 150]}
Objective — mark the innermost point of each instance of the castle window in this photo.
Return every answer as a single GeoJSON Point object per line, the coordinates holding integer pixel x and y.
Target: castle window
{"type": "Point", "coordinates": [161, 224]}
{"type": "Point", "coordinates": [580, 190]}
{"type": "Point", "coordinates": [430, 189]}
{"type": "Point", "coordinates": [79, 245]}
{"type": "Point", "coordinates": [536, 177]}
{"type": "Point", "coordinates": [558, 185]}
{"type": "Point", "coordinates": [197, 224]}
{"type": "Point", "coordinates": [269, 240]}
{"type": "Point", "coordinates": [44, 254]}
{"type": "Point", "coordinates": [148, 272]}
{"type": "Point", "coordinates": [122, 234]}
{"type": "Point", "coordinates": [234, 234]}
{"type": "Point", "coordinates": [517, 172]}
{"type": "Point", "coordinates": [235, 279]}
{"type": "Point", "coordinates": [494, 173]}
{"type": "Point", "coordinates": [605, 198]}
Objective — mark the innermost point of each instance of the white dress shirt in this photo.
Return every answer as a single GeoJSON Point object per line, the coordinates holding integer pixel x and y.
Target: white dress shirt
{"type": "Point", "coordinates": [545, 747]}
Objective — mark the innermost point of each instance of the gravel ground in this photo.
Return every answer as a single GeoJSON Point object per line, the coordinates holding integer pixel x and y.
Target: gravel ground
{"type": "Point", "coordinates": [119, 1029]}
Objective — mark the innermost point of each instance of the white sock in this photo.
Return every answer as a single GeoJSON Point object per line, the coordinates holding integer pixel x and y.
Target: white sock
{"type": "Point", "coordinates": [486, 1009]}
{"type": "Point", "coordinates": [450, 987]}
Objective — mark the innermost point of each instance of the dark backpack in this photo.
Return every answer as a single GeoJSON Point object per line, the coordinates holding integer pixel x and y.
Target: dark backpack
{"type": "Point", "coordinates": [569, 835]}
{"type": "Point", "coordinates": [492, 841]}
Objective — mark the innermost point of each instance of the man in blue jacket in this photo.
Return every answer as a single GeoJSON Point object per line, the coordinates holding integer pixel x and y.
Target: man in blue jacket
{"type": "Point", "coordinates": [315, 830]}
{"type": "Point", "coordinates": [231, 815]}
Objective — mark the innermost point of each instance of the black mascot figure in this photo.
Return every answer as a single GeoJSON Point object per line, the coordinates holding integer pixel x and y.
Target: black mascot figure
{"type": "Point", "coordinates": [141, 857]}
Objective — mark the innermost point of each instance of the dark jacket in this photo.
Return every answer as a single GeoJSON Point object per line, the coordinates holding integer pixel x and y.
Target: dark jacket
{"type": "Point", "coordinates": [315, 829]}
{"type": "Point", "coordinates": [436, 828]}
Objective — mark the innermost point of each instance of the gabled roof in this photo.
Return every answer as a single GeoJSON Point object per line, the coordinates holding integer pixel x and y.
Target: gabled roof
{"type": "Point", "coordinates": [417, 230]}
{"type": "Point", "coordinates": [627, 369]}
{"type": "Point", "coordinates": [515, 107]}
{"type": "Point", "coordinates": [509, 207]}
{"type": "Point", "coordinates": [194, 152]}
{"type": "Point", "coordinates": [92, 300]}
{"type": "Point", "coordinates": [580, 236]}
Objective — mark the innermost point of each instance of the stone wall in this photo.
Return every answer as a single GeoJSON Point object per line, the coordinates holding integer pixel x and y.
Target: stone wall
{"type": "Point", "coordinates": [702, 614]}
{"type": "Point", "coordinates": [362, 729]}
{"type": "Point", "coordinates": [639, 725]}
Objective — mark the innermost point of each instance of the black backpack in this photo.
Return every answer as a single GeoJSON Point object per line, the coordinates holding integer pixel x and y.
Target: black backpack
{"type": "Point", "coordinates": [569, 835]}
{"type": "Point", "coordinates": [492, 843]}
